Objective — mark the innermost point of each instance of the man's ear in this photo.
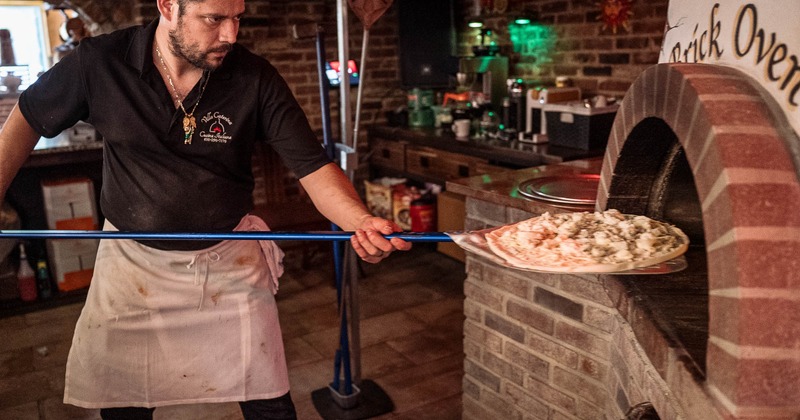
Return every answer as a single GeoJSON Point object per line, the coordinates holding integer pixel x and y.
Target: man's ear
{"type": "Point", "coordinates": [165, 7]}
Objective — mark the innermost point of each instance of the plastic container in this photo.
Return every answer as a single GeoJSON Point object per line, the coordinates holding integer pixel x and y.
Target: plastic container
{"type": "Point", "coordinates": [26, 278]}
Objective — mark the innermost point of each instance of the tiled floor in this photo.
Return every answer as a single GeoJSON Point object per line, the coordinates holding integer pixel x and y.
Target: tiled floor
{"type": "Point", "coordinates": [411, 337]}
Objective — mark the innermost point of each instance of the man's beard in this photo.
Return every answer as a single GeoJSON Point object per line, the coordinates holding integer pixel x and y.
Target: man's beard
{"type": "Point", "coordinates": [192, 53]}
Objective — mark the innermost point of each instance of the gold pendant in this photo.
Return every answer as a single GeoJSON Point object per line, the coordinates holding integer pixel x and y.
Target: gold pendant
{"type": "Point", "coordinates": [189, 124]}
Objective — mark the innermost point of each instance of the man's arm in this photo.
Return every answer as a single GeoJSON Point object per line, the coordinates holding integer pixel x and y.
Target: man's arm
{"type": "Point", "coordinates": [17, 139]}
{"type": "Point", "coordinates": [334, 196]}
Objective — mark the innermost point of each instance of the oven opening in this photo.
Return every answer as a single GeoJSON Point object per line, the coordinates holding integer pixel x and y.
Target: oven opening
{"type": "Point", "coordinates": [653, 177]}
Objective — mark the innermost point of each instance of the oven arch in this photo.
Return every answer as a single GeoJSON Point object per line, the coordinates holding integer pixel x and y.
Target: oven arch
{"type": "Point", "coordinates": [739, 149]}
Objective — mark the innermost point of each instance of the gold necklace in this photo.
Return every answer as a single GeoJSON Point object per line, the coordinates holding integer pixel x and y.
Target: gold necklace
{"type": "Point", "coordinates": [189, 122]}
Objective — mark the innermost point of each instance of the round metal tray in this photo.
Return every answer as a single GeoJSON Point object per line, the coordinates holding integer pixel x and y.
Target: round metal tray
{"type": "Point", "coordinates": [570, 190]}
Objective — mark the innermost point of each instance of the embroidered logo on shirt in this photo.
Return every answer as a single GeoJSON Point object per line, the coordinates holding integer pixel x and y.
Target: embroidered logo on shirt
{"type": "Point", "coordinates": [214, 128]}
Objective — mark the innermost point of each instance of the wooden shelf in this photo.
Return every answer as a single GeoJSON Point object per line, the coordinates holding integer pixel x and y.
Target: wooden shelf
{"type": "Point", "coordinates": [15, 307]}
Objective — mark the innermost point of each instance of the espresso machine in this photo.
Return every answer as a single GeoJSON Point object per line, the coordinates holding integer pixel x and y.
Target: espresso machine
{"type": "Point", "coordinates": [488, 75]}
{"type": "Point", "coordinates": [514, 110]}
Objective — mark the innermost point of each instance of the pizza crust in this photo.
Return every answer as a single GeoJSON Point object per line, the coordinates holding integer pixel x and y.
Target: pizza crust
{"type": "Point", "coordinates": [584, 242]}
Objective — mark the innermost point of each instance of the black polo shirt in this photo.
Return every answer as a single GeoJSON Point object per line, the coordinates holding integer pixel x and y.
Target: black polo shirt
{"type": "Point", "coordinates": [152, 181]}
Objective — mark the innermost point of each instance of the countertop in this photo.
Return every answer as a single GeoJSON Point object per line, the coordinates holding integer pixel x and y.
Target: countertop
{"type": "Point", "coordinates": [61, 150]}
{"type": "Point", "coordinates": [501, 188]}
{"type": "Point", "coordinates": [510, 153]}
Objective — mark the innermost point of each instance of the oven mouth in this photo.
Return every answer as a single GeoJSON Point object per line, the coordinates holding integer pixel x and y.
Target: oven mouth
{"type": "Point", "coordinates": [652, 177]}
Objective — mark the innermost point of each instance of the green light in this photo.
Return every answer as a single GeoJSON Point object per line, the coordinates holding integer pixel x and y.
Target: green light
{"type": "Point", "coordinates": [475, 24]}
{"type": "Point", "coordinates": [535, 41]}
{"type": "Point", "coordinates": [522, 21]}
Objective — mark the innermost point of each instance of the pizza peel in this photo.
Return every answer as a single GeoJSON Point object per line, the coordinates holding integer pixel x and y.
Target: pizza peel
{"type": "Point", "coordinates": [473, 241]}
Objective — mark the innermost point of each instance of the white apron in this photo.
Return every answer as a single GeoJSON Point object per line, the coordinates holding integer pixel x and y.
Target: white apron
{"type": "Point", "coordinates": [178, 327]}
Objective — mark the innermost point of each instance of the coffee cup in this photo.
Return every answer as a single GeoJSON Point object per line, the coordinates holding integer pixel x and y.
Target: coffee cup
{"type": "Point", "coordinates": [461, 128]}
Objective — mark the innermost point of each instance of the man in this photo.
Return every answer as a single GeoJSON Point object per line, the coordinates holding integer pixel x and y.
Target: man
{"type": "Point", "coordinates": [179, 105]}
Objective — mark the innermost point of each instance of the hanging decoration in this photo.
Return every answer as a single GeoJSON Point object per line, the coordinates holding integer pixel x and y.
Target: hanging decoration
{"type": "Point", "coordinates": [368, 11]}
{"type": "Point", "coordinates": [615, 14]}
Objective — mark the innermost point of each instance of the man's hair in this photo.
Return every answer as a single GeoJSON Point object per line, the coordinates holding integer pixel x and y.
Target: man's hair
{"type": "Point", "coordinates": [182, 5]}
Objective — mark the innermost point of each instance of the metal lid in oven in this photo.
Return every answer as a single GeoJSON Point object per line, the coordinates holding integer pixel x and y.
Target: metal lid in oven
{"type": "Point", "coordinates": [566, 190]}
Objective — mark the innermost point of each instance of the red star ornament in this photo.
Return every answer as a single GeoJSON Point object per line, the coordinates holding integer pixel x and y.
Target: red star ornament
{"type": "Point", "coordinates": [615, 14]}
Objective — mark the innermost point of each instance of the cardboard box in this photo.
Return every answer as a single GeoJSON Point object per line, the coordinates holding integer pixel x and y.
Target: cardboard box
{"type": "Point", "coordinates": [576, 126]}
{"type": "Point", "coordinates": [450, 218]}
{"type": "Point", "coordinates": [72, 262]}
{"type": "Point", "coordinates": [379, 196]}
{"type": "Point", "coordinates": [70, 205]}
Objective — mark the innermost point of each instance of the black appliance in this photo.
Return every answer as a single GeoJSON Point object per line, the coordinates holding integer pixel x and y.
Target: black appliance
{"type": "Point", "coordinates": [427, 43]}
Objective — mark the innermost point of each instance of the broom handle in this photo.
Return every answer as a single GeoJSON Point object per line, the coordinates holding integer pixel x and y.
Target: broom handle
{"type": "Point", "coordinates": [215, 236]}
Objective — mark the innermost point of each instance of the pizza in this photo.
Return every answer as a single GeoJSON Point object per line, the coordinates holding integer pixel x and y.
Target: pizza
{"type": "Point", "coordinates": [587, 242]}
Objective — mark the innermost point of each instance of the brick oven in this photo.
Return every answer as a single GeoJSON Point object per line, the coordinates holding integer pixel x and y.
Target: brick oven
{"type": "Point", "coordinates": [710, 148]}
{"type": "Point", "coordinates": [721, 133]}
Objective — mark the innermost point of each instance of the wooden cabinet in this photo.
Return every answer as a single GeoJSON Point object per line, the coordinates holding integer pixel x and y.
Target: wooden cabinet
{"type": "Point", "coordinates": [439, 164]}
{"type": "Point", "coordinates": [436, 156]}
{"type": "Point", "coordinates": [388, 154]}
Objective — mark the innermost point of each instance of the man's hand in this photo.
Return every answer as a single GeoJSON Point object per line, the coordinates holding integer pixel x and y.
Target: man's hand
{"type": "Point", "coordinates": [369, 243]}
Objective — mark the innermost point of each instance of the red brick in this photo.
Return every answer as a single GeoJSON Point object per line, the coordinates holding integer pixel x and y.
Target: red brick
{"type": "Point", "coordinates": [473, 311]}
{"type": "Point", "coordinates": [474, 410]}
{"type": "Point", "coordinates": [529, 362]}
{"type": "Point", "coordinates": [743, 113]}
{"type": "Point", "coordinates": [487, 339]}
{"type": "Point", "coordinates": [722, 85]}
{"type": "Point", "coordinates": [750, 150]}
{"type": "Point", "coordinates": [527, 402]}
{"type": "Point", "coordinates": [769, 322]}
{"type": "Point", "coordinates": [530, 317]}
{"type": "Point", "coordinates": [499, 407]}
{"type": "Point", "coordinates": [598, 318]}
{"type": "Point", "coordinates": [502, 281]}
{"type": "Point", "coordinates": [758, 383]}
{"type": "Point", "coordinates": [501, 325]}
{"type": "Point", "coordinates": [470, 388]}
{"type": "Point", "coordinates": [777, 268]}
{"type": "Point", "coordinates": [484, 210]}
{"type": "Point", "coordinates": [585, 388]}
{"type": "Point", "coordinates": [593, 368]}
{"type": "Point", "coordinates": [473, 349]}
{"type": "Point", "coordinates": [553, 396]}
{"type": "Point", "coordinates": [586, 287]}
{"type": "Point", "coordinates": [652, 340]}
{"type": "Point", "coordinates": [765, 204]}
{"type": "Point", "coordinates": [717, 217]}
{"type": "Point", "coordinates": [482, 375]}
{"type": "Point", "coordinates": [581, 339]}
{"type": "Point", "coordinates": [481, 295]}
{"type": "Point", "coordinates": [503, 368]}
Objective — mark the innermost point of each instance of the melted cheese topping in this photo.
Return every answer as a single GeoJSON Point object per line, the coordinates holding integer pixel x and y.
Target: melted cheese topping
{"type": "Point", "coordinates": [608, 237]}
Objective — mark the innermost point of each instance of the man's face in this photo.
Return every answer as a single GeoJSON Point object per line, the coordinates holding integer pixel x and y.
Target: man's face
{"type": "Point", "coordinates": [206, 31]}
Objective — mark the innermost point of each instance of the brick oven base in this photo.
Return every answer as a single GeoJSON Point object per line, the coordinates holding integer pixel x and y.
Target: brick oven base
{"type": "Point", "coordinates": [580, 346]}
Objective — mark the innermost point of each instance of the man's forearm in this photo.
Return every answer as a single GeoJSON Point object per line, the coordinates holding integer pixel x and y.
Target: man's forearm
{"type": "Point", "coordinates": [335, 197]}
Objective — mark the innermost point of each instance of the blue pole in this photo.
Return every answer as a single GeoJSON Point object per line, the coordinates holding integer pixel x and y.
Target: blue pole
{"type": "Point", "coordinates": [215, 236]}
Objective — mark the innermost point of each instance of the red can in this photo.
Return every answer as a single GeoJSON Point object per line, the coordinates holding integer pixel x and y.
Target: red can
{"type": "Point", "coordinates": [423, 216]}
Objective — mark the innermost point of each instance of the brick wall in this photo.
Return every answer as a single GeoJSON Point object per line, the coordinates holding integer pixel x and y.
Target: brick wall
{"type": "Point", "coordinates": [542, 346]}
{"type": "Point", "coordinates": [598, 60]}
